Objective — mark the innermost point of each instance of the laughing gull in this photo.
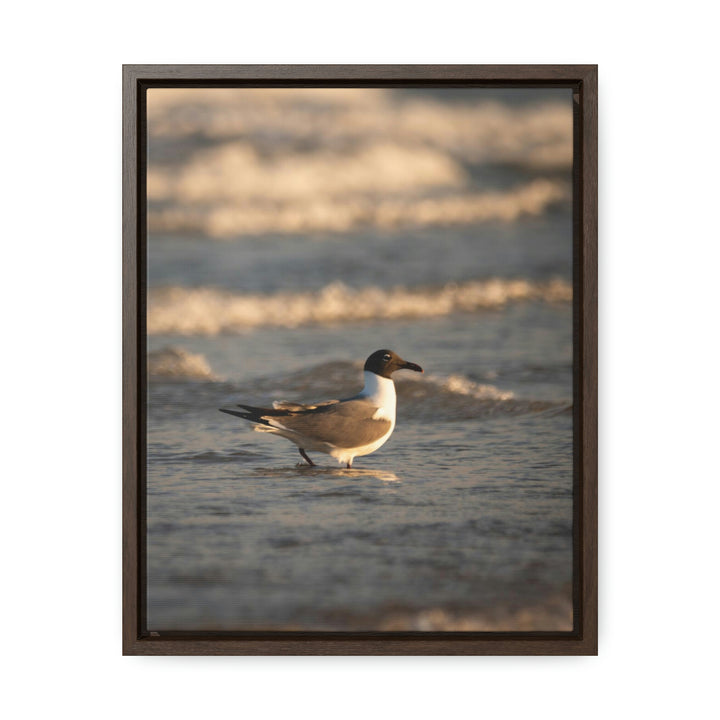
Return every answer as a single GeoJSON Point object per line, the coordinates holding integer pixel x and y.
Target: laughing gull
{"type": "Point", "coordinates": [344, 429]}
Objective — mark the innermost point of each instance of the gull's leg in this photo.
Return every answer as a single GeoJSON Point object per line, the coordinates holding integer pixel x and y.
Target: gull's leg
{"type": "Point", "coordinates": [302, 452]}
{"type": "Point", "coordinates": [349, 465]}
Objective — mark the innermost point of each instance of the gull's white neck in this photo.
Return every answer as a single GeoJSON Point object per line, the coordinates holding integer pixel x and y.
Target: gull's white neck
{"type": "Point", "coordinates": [381, 391]}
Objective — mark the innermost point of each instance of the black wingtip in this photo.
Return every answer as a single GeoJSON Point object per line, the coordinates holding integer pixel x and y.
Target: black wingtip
{"type": "Point", "coordinates": [234, 412]}
{"type": "Point", "coordinates": [255, 417]}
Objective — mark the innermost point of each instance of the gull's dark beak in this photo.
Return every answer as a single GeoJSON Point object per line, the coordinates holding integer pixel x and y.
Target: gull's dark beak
{"type": "Point", "coordinates": [411, 366]}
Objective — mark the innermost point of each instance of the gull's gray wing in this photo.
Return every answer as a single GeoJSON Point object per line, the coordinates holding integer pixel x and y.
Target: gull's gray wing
{"type": "Point", "coordinates": [296, 407]}
{"type": "Point", "coordinates": [345, 424]}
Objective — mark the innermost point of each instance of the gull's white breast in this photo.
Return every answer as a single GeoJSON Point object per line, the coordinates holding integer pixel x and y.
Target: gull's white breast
{"type": "Point", "coordinates": [381, 392]}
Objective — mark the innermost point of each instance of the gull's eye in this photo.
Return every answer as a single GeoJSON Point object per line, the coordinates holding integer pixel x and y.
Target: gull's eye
{"type": "Point", "coordinates": [386, 358]}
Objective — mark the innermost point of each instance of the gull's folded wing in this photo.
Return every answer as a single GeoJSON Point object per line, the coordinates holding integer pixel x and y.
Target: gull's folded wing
{"type": "Point", "coordinates": [345, 424]}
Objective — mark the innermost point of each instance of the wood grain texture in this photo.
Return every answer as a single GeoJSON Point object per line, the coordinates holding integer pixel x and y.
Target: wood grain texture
{"type": "Point", "coordinates": [373, 644]}
{"type": "Point", "coordinates": [589, 340]}
{"type": "Point", "coordinates": [493, 74]}
{"type": "Point", "coordinates": [130, 350]}
{"type": "Point", "coordinates": [584, 639]}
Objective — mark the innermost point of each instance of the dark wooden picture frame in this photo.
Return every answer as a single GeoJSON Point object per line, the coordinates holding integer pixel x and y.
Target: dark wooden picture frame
{"type": "Point", "coordinates": [582, 640]}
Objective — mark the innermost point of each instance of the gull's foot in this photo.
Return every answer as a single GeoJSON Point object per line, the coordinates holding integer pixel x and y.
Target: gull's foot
{"type": "Point", "coordinates": [310, 462]}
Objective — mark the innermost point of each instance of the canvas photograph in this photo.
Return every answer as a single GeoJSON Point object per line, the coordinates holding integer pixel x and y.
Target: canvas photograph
{"type": "Point", "coordinates": [358, 335]}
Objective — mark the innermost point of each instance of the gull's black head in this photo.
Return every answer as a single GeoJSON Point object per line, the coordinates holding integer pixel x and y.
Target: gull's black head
{"type": "Point", "coordinates": [386, 362]}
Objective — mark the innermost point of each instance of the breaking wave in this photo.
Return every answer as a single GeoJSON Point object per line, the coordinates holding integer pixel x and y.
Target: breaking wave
{"type": "Point", "coordinates": [178, 364]}
{"type": "Point", "coordinates": [233, 162]}
{"type": "Point", "coordinates": [325, 212]}
{"type": "Point", "coordinates": [456, 397]}
{"type": "Point", "coordinates": [555, 614]}
{"type": "Point", "coordinates": [538, 134]}
{"type": "Point", "coordinates": [210, 311]}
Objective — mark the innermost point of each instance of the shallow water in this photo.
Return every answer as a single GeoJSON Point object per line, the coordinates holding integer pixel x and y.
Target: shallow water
{"type": "Point", "coordinates": [463, 519]}
{"type": "Point", "coordinates": [467, 509]}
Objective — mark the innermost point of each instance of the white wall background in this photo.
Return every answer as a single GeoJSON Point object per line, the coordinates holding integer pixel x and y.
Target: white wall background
{"type": "Point", "coordinates": [60, 285]}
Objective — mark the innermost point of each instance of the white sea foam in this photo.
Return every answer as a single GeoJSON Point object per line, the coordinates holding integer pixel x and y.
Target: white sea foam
{"type": "Point", "coordinates": [209, 311]}
{"type": "Point", "coordinates": [555, 614]}
{"type": "Point", "coordinates": [460, 385]}
{"type": "Point", "coordinates": [230, 162]}
{"type": "Point", "coordinates": [326, 213]}
{"type": "Point", "coordinates": [178, 364]}
{"type": "Point", "coordinates": [487, 131]}
{"type": "Point", "coordinates": [237, 170]}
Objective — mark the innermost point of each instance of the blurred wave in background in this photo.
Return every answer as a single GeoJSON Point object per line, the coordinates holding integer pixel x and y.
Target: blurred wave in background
{"type": "Point", "coordinates": [228, 163]}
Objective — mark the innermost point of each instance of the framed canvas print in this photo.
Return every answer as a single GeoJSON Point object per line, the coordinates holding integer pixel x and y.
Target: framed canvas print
{"type": "Point", "coordinates": [360, 341]}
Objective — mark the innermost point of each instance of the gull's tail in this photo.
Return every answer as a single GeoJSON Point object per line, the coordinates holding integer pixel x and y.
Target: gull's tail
{"type": "Point", "coordinates": [280, 409]}
{"type": "Point", "coordinates": [257, 414]}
